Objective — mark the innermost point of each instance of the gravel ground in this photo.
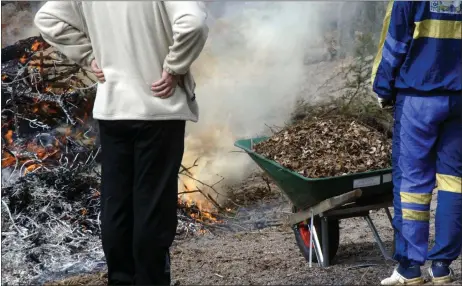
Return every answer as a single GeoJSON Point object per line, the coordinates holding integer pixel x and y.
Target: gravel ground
{"type": "Point", "coordinates": [259, 255]}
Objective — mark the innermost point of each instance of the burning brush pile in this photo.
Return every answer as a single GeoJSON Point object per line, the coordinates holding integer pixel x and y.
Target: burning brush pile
{"type": "Point", "coordinates": [328, 146]}
{"type": "Point", "coordinates": [50, 177]}
{"type": "Point", "coordinates": [50, 204]}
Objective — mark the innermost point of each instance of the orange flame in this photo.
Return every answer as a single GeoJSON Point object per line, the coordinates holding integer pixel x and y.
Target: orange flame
{"type": "Point", "coordinates": [31, 168]}
{"type": "Point", "coordinates": [7, 159]}
{"type": "Point", "coordinates": [9, 136]}
{"type": "Point", "coordinates": [36, 46]}
{"type": "Point", "coordinates": [190, 199]}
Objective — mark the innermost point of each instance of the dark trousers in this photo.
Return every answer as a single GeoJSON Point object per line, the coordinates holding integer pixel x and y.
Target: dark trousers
{"type": "Point", "coordinates": [139, 195]}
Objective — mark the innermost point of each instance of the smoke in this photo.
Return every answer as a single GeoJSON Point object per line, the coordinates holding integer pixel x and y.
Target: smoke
{"type": "Point", "coordinates": [17, 21]}
{"type": "Point", "coordinates": [249, 76]}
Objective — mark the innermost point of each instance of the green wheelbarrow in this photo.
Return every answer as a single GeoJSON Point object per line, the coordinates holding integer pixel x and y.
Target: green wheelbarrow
{"type": "Point", "coordinates": [319, 204]}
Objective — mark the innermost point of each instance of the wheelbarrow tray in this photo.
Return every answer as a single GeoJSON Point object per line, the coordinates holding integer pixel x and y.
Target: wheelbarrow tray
{"type": "Point", "coordinates": [306, 192]}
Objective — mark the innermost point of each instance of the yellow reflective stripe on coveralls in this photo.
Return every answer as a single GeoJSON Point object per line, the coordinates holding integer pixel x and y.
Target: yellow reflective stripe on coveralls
{"type": "Point", "coordinates": [383, 35]}
{"type": "Point", "coordinates": [449, 183]}
{"type": "Point", "coordinates": [438, 29]}
{"type": "Point", "coordinates": [415, 198]}
{"type": "Point", "coordinates": [421, 199]}
{"type": "Point", "coordinates": [416, 215]}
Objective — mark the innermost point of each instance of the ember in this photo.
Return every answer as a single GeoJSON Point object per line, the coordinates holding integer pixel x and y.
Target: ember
{"type": "Point", "coordinates": [327, 147]}
{"type": "Point", "coordinates": [37, 45]}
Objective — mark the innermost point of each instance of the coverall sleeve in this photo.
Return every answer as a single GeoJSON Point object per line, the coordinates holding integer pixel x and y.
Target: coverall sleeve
{"type": "Point", "coordinates": [190, 33]}
{"type": "Point", "coordinates": [61, 24]}
{"type": "Point", "coordinates": [397, 31]}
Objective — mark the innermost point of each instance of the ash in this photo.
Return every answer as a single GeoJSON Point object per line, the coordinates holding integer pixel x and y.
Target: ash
{"type": "Point", "coordinates": [50, 224]}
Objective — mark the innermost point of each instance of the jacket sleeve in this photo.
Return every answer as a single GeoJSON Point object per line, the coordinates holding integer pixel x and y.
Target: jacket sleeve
{"type": "Point", "coordinates": [190, 33]}
{"type": "Point", "coordinates": [61, 24]}
{"type": "Point", "coordinates": [396, 36]}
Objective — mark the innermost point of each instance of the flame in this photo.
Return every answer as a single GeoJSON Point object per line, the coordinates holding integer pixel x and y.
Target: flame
{"type": "Point", "coordinates": [36, 46]}
{"type": "Point", "coordinates": [31, 168]}
{"type": "Point", "coordinates": [9, 136]}
{"type": "Point", "coordinates": [207, 156]}
{"type": "Point", "coordinates": [192, 192]}
{"type": "Point", "coordinates": [194, 199]}
{"type": "Point", "coordinates": [4, 77]}
{"type": "Point", "coordinates": [7, 159]}
{"type": "Point", "coordinates": [191, 196]}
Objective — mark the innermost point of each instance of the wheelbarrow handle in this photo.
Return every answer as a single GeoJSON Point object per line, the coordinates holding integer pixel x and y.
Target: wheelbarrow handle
{"type": "Point", "coordinates": [324, 206]}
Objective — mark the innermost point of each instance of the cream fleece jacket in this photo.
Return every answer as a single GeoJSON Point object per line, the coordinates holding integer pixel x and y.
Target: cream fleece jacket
{"type": "Point", "coordinates": [132, 42]}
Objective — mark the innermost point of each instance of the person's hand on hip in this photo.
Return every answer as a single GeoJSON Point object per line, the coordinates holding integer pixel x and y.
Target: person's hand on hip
{"type": "Point", "coordinates": [97, 71]}
{"type": "Point", "coordinates": [165, 87]}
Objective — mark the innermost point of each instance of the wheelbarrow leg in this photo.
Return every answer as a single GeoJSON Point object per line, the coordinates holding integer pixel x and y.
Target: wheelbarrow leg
{"type": "Point", "coordinates": [315, 240]}
{"type": "Point", "coordinates": [311, 240]}
{"type": "Point", "coordinates": [390, 218]}
{"type": "Point", "coordinates": [377, 238]}
{"type": "Point", "coordinates": [325, 241]}
{"type": "Point", "coordinates": [319, 253]}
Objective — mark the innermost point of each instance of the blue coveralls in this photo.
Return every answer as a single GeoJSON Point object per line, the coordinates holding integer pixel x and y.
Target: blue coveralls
{"type": "Point", "coordinates": [419, 65]}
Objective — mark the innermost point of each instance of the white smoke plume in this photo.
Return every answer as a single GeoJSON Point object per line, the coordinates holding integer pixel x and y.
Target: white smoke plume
{"type": "Point", "coordinates": [249, 76]}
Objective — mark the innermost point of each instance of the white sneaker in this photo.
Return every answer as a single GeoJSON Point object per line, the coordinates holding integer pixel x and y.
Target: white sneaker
{"type": "Point", "coordinates": [443, 279]}
{"type": "Point", "coordinates": [398, 279]}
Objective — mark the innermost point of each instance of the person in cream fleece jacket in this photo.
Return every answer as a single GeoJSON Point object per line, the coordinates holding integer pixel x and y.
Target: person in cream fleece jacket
{"type": "Point", "coordinates": [141, 52]}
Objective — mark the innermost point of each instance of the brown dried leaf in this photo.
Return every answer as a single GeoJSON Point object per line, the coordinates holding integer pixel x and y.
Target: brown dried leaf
{"type": "Point", "coordinates": [328, 147]}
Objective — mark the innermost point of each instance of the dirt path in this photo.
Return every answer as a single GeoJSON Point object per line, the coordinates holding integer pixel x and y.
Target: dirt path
{"type": "Point", "coordinates": [270, 256]}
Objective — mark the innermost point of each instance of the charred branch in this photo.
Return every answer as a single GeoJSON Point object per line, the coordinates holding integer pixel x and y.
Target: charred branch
{"type": "Point", "coordinates": [22, 47]}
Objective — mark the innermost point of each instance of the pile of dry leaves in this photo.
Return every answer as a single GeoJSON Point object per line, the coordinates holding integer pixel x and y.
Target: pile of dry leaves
{"type": "Point", "coordinates": [328, 147]}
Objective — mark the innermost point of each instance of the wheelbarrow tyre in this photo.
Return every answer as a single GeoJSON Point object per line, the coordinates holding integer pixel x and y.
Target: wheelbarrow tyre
{"type": "Point", "coordinates": [334, 238]}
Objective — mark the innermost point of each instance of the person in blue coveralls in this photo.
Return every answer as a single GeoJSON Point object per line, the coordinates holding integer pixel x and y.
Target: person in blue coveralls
{"type": "Point", "coordinates": [418, 71]}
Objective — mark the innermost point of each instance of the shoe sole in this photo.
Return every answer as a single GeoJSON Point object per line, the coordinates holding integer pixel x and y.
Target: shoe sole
{"type": "Point", "coordinates": [442, 280]}
{"type": "Point", "coordinates": [415, 281]}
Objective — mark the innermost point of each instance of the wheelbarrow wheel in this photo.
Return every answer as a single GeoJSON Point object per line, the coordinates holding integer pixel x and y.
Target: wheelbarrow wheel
{"type": "Point", "coordinates": [302, 237]}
